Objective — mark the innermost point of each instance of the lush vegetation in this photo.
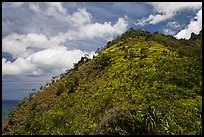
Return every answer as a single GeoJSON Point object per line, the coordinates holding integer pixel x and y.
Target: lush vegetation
{"type": "Point", "coordinates": [139, 83]}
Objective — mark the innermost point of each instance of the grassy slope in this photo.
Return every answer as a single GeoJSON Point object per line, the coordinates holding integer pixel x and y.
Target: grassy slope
{"type": "Point", "coordinates": [139, 84]}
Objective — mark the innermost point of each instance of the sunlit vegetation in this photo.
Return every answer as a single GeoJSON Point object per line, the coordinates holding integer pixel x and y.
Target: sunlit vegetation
{"type": "Point", "coordinates": [139, 83]}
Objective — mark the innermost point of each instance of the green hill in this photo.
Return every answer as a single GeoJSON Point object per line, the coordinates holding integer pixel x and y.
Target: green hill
{"type": "Point", "coordinates": [139, 83]}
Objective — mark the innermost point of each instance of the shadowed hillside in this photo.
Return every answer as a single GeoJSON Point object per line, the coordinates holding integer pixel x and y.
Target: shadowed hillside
{"type": "Point", "coordinates": [139, 83]}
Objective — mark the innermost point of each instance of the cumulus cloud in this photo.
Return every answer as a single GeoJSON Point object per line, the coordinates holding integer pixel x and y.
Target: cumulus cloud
{"type": "Point", "coordinates": [166, 10]}
{"type": "Point", "coordinates": [95, 30]}
{"type": "Point", "coordinates": [20, 45]}
{"type": "Point", "coordinates": [52, 54]}
{"type": "Point", "coordinates": [80, 17]}
{"type": "Point", "coordinates": [49, 61]}
{"type": "Point", "coordinates": [17, 67]}
{"type": "Point", "coordinates": [56, 57]}
{"type": "Point", "coordinates": [195, 26]}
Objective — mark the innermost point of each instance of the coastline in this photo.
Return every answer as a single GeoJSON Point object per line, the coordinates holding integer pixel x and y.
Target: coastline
{"type": "Point", "coordinates": [6, 107]}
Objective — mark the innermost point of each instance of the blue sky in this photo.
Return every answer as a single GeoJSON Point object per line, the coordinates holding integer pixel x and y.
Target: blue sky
{"type": "Point", "coordinates": [41, 40]}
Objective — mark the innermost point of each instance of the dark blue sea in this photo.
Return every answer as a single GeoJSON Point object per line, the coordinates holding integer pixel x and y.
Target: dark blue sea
{"type": "Point", "coordinates": [6, 107]}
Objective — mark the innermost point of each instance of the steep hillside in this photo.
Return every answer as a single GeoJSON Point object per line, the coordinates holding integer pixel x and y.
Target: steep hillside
{"type": "Point", "coordinates": [139, 83]}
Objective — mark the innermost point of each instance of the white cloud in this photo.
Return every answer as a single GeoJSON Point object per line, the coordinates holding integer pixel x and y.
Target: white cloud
{"type": "Point", "coordinates": [42, 54]}
{"type": "Point", "coordinates": [56, 60]}
{"type": "Point", "coordinates": [19, 66]}
{"type": "Point", "coordinates": [55, 9]}
{"type": "Point", "coordinates": [20, 45]}
{"type": "Point", "coordinates": [195, 26]}
{"type": "Point", "coordinates": [165, 7]}
{"type": "Point", "coordinates": [166, 10]}
{"type": "Point", "coordinates": [105, 30]}
{"type": "Point", "coordinates": [56, 57]}
{"type": "Point", "coordinates": [153, 19]}
{"type": "Point", "coordinates": [121, 26]}
{"type": "Point", "coordinates": [52, 8]}
{"type": "Point", "coordinates": [80, 17]}
{"type": "Point", "coordinates": [50, 61]}
{"type": "Point", "coordinates": [52, 57]}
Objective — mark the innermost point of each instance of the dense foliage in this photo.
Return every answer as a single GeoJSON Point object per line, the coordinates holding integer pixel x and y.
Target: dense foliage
{"type": "Point", "coordinates": [139, 83]}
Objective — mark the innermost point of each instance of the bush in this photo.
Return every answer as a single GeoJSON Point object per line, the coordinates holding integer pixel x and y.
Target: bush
{"type": "Point", "coordinates": [60, 90]}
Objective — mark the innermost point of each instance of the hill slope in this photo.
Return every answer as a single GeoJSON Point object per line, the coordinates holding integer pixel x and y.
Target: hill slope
{"type": "Point", "coordinates": [139, 83]}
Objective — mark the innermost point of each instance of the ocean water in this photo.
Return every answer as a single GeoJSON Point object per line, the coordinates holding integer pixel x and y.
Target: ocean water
{"type": "Point", "coordinates": [6, 107]}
